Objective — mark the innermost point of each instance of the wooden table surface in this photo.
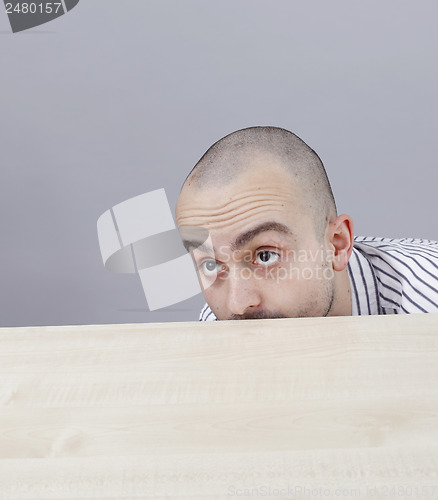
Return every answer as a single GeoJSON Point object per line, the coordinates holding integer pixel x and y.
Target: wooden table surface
{"type": "Point", "coordinates": [286, 408]}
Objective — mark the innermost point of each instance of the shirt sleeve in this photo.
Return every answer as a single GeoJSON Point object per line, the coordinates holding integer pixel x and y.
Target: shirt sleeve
{"type": "Point", "coordinates": [207, 314]}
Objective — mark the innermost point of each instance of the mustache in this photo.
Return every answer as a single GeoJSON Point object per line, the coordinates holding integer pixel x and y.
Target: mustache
{"type": "Point", "coordinates": [257, 315]}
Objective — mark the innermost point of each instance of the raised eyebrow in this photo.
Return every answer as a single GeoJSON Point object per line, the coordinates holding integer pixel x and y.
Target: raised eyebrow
{"type": "Point", "coordinates": [196, 245]}
{"type": "Point", "coordinates": [246, 237]}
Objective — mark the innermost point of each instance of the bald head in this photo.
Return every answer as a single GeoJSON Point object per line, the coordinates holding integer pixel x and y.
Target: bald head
{"type": "Point", "coordinates": [238, 152]}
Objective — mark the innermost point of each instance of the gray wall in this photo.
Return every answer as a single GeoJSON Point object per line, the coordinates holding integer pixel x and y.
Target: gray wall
{"type": "Point", "coordinates": [118, 98]}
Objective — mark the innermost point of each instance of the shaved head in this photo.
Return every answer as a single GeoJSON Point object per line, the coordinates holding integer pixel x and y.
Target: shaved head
{"type": "Point", "coordinates": [257, 215]}
{"type": "Point", "coordinates": [236, 153]}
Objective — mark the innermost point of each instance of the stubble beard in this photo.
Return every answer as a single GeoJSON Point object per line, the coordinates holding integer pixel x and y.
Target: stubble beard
{"type": "Point", "coordinates": [307, 312]}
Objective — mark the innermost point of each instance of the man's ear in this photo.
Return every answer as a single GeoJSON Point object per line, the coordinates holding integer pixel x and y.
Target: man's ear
{"type": "Point", "coordinates": [340, 233]}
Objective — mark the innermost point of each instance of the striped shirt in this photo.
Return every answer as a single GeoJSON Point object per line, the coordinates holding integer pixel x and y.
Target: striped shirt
{"type": "Point", "coordinates": [388, 276]}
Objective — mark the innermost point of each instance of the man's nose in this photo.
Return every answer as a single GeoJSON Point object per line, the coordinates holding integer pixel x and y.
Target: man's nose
{"type": "Point", "coordinates": [242, 291]}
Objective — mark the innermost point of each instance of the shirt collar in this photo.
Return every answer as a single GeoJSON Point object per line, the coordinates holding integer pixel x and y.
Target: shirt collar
{"type": "Point", "coordinates": [363, 285]}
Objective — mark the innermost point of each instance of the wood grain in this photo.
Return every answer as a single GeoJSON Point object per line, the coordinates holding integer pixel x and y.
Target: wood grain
{"type": "Point", "coordinates": [287, 408]}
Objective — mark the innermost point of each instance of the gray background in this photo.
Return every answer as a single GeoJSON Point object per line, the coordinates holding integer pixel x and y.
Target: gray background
{"type": "Point", "coordinates": [117, 98]}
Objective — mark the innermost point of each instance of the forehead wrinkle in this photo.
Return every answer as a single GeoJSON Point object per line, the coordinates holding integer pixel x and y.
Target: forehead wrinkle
{"type": "Point", "coordinates": [237, 202]}
{"type": "Point", "coordinates": [221, 221]}
{"type": "Point", "coordinates": [230, 211]}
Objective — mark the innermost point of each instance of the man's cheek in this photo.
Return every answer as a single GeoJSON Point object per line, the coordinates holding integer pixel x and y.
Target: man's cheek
{"type": "Point", "coordinates": [279, 274]}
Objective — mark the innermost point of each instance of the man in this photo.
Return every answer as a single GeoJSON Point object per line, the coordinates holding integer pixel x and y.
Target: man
{"type": "Point", "coordinates": [258, 215]}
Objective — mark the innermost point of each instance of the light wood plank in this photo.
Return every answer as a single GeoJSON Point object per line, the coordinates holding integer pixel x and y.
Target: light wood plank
{"type": "Point", "coordinates": [210, 410]}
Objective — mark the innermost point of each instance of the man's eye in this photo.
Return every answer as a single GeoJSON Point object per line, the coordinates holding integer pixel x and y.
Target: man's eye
{"type": "Point", "coordinates": [210, 267]}
{"type": "Point", "coordinates": [266, 258]}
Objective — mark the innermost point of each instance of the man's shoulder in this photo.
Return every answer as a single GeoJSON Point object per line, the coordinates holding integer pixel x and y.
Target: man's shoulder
{"type": "Point", "coordinates": [404, 251]}
{"type": "Point", "coordinates": [404, 271]}
{"type": "Point", "coordinates": [408, 244]}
